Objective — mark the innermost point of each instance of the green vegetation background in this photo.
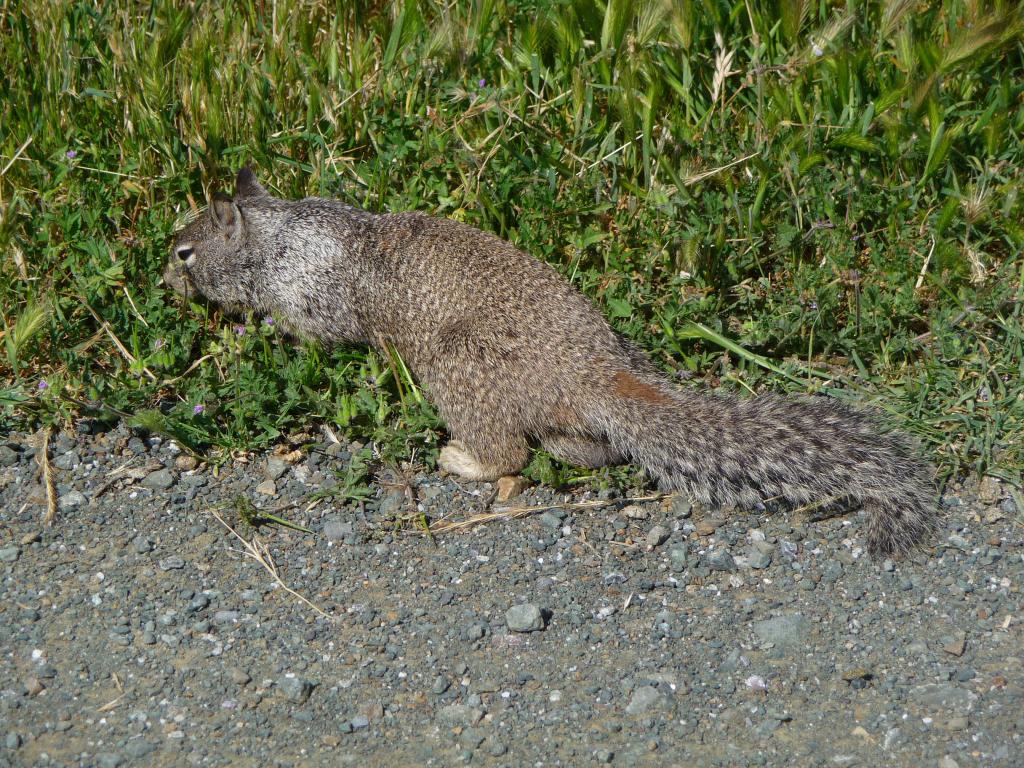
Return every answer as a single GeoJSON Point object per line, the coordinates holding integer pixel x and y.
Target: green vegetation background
{"type": "Point", "coordinates": [831, 190]}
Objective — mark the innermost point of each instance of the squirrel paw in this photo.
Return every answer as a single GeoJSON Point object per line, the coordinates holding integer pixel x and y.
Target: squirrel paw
{"type": "Point", "coordinates": [456, 460]}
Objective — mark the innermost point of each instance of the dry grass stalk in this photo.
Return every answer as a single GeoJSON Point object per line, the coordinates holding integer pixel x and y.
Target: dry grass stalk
{"type": "Point", "coordinates": [515, 512]}
{"type": "Point", "coordinates": [259, 552]}
{"type": "Point", "coordinates": [48, 482]}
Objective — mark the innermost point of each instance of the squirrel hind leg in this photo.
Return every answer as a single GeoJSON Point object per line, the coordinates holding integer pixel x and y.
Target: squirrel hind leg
{"type": "Point", "coordinates": [481, 460]}
{"type": "Point", "coordinates": [580, 451]}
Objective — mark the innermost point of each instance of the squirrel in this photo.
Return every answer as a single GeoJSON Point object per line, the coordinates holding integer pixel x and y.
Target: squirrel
{"type": "Point", "coordinates": [512, 354]}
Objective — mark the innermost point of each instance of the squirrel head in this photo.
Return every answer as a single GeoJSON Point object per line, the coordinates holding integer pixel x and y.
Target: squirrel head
{"type": "Point", "coordinates": [215, 255]}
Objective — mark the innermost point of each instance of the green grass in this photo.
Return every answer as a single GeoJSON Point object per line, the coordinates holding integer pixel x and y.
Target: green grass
{"type": "Point", "coordinates": [767, 195]}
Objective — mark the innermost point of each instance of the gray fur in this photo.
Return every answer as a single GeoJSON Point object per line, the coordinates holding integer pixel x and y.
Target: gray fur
{"type": "Point", "coordinates": [512, 354]}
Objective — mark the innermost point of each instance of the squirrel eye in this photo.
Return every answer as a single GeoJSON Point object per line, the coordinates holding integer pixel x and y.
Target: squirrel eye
{"type": "Point", "coordinates": [184, 252]}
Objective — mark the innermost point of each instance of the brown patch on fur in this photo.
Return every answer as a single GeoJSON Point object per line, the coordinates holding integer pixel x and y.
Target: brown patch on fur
{"type": "Point", "coordinates": [564, 416]}
{"type": "Point", "coordinates": [628, 385]}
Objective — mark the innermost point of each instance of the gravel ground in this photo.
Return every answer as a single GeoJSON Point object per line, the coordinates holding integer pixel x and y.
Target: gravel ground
{"type": "Point", "coordinates": [135, 631]}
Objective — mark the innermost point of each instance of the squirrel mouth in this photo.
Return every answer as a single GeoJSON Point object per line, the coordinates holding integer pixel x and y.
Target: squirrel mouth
{"type": "Point", "coordinates": [176, 276]}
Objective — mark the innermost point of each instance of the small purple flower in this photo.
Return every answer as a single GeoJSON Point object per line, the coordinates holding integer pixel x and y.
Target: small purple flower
{"type": "Point", "coordinates": [240, 330]}
{"type": "Point", "coordinates": [158, 344]}
{"type": "Point", "coordinates": [813, 306]}
{"type": "Point", "coordinates": [481, 82]}
{"type": "Point", "coordinates": [71, 154]}
{"type": "Point", "coordinates": [43, 385]}
{"type": "Point", "coordinates": [198, 408]}
{"type": "Point", "coordinates": [268, 321]}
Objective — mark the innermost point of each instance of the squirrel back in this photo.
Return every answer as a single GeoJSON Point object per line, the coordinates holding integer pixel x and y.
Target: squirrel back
{"type": "Point", "coordinates": [513, 355]}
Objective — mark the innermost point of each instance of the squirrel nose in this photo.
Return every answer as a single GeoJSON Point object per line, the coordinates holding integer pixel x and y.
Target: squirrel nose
{"type": "Point", "coordinates": [184, 252]}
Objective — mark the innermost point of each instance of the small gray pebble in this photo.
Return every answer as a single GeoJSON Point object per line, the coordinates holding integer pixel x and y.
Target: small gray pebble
{"type": "Point", "coordinates": [12, 740]}
{"type": "Point", "coordinates": [939, 696]}
{"type": "Point", "coordinates": [294, 688]}
{"type": "Point", "coordinates": [8, 456]}
{"type": "Point", "coordinates": [336, 529]}
{"type": "Point", "coordinates": [644, 698]}
{"type": "Point", "coordinates": [160, 480]}
{"type": "Point", "coordinates": [657, 536]}
{"type": "Point", "coordinates": [958, 542]}
{"type": "Point", "coordinates": [526, 617]}
{"type": "Point", "coordinates": [71, 500]}
{"type": "Point", "coordinates": [392, 504]}
{"type": "Point", "coordinates": [720, 560]}
{"type": "Point", "coordinates": [788, 629]}
{"type": "Point", "coordinates": [274, 468]}
{"type": "Point", "coordinates": [359, 722]}
{"type": "Point", "coordinates": [440, 685]}
{"type": "Point", "coordinates": [767, 727]}
{"type": "Point", "coordinates": [758, 558]}
{"type": "Point", "coordinates": [604, 755]}
{"type": "Point", "coordinates": [893, 738]}
{"type": "Point", "coordinates": [137, 748]}
{"type": "Point", "coordinates": [198, 603]}
{"type": "Point", "coordinates": [109, 760]}
{"type": "Point", "coordinates": [69, 460]}
{"type": "Point", "coordinates": [682, 507]}
{"type": "Point", "coordinates": [172, 563]}
{"type": "Point", "coordinates": [9, 554]}
{"type": "Point", "coordinates": [471, 738]}
{"type": "Point", "coordinates": [496, 749]}
{"type": "Point", "coordinates": [226, 617]}
{"type": "Point", "coordinates": [550, 520]}
{"type": "Point", "coordinates": [141, 544]}
{"type": "Point", "coordinates": [677, 557]}
{"type": "Point", "coordinates": [429, 492]}
{"type": "Point", "coordinates": [459, 715]}
{"type": "Point", "coordinates": [917, 647]}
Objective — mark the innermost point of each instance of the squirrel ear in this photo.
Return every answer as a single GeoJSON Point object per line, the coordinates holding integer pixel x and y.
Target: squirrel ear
{"type": "Point", "coordinates": [246, 184]}
{"type": "Point", "coordinates": [226, 216]}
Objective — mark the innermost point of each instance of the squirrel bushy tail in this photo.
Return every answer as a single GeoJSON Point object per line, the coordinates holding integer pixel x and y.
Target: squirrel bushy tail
{"type": "Point", "coordinates": [723, 450]}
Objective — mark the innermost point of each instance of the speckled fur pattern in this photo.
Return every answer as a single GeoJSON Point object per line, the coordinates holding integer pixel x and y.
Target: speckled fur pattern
{"type": "Point", "coordinates": [512, 355]}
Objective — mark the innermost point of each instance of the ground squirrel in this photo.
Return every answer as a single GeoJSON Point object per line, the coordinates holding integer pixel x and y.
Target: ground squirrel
{"type": "Point", "coordinates": [512, 354]}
